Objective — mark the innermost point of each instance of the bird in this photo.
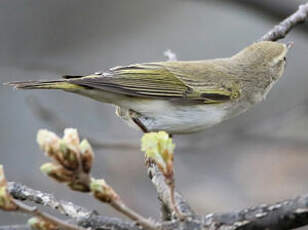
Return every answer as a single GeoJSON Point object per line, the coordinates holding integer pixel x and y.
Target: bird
{"type": "Point", "coordinates": [181, 97]}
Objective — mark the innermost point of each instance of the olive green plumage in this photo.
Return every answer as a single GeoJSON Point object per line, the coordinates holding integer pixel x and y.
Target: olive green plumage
{"type": "Point", "coordinates": [165, 95]}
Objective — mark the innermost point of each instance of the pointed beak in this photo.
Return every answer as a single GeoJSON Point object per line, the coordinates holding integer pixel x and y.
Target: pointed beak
{"type": "Point", "coordinates": [290, 44]}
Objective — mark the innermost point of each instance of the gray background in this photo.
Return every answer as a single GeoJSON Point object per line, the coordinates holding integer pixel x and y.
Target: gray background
{"type": "Point", "coordinates": [258, 157]}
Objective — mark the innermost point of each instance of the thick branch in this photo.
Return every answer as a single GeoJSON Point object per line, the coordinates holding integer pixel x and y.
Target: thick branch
{"type": "Point", "coordinates": [107, 223]}
{"type": "Point", "coordinates": [288, 214]}
{"type": "Point", "coordinates": [283, 28]}
{"type": "Point", "coordinates": [34, 211]}
{"type": "Point", "coordinates": [284, 215]}
{"type": "Point", "coordinates": [22, 192]}
{"type": "Point", "coordinates": [84, 217]}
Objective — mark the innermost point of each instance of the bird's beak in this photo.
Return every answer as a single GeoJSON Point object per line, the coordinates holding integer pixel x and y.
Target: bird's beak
{"type": "Point", "coordinates": [290, 44]}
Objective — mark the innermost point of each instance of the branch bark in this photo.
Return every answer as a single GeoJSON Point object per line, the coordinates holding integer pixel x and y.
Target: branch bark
{"type": "Point", "coordinates": [163, 192]}
{"type": "Point", "coordinates": [283, 28]}
{"type": "Point", "coordinates": [287, 214]}
{"type": "Point", "coordinates": [284, 215]}
{"type": "Point", "coordinates": [23, 193]}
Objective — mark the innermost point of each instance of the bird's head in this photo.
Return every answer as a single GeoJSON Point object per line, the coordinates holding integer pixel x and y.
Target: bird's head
{"type": "Point", "coordinates": [261, 64]}
{"type": "Point", "coordinates": [264, 57]}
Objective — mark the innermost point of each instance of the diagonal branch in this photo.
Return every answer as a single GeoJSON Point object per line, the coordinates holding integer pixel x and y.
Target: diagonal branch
{"type": "Point", "coordinates": [22, 192]}
{"type": "Point", "coordinates": [64, 225]}
{"type": "Point", "coordinates": [163, 191]}
{"type": "Point", "coordinates": [284, 27]}
{"type": "Point", "coordinates": [84, 217]}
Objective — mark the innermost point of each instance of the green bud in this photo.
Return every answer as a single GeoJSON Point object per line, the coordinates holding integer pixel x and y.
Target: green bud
{"type": "Point", "coordinates": [68, 155]}
{"type": "Point", "coordinates": [87, 155]}
{"type": "Point", "coordinates": [102, 191]}
{"type": "Point", "coordinates": [159, 147]}
{"type": "Point", "coordinates": [71, 136]}
{"type": "Point", "coordinates": [63, 150]}
{"type": "Point", "coordinates": [48, 141]}
{"type": "Point", "coordinates": [57, 172]}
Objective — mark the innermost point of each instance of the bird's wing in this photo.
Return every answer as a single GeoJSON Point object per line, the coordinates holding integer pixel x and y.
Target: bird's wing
{"type": "Point", "coordinates": [152, 80]}
{"type": "Point", "coordinates": [212, 79]}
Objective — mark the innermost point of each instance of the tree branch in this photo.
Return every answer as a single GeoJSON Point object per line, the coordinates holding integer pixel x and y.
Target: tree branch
{"type": "Point", "coordinates": [283, 28]}
{"type": "Point", "coordinates": [275, 9]}
{"type": "Point", "coordinates": [287, 214]}
{"type": "Point", "coordinates": [83, 216]}
{"type": "Point", "coordinates": [22, 193]}
{"type": "Point", "coordinates": [62, 224]}
{"type": "Point", "coordinates": [284, 215]}
{"type": "Point", "coordinates": [163, 191]}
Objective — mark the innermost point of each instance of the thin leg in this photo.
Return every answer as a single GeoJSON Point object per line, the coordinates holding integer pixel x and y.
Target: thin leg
{"type": "Point", "coordinates": [140, 124]}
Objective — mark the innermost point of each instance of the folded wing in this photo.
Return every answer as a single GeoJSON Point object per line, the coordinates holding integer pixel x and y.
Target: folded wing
{"type": "Point", "coordinates": [155, 80]}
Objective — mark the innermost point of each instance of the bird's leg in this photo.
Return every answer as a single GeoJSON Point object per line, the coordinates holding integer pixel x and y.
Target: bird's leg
{"type": "Point", "coordinates": [134, 116]}
{"type": "Point", "coordinates": [140, 124]}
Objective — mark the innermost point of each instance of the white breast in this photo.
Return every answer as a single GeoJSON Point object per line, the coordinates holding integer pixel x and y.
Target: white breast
{"type": "Point", "coordinates": [173, 118]}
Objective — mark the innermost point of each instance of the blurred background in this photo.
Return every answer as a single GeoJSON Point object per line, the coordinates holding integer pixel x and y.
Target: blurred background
{"type": "Point", "coordinates": [258, 157]}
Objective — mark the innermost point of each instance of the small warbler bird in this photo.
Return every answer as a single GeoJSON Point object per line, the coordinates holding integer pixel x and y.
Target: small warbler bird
{"type": "Point", "coordinates": [181, 96]}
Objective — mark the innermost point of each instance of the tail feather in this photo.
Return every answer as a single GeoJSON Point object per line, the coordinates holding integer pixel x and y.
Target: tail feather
{"type": "Point", "coordinates": [56, 84]}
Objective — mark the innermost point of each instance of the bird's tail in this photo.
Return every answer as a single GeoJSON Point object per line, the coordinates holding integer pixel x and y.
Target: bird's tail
{"type": "Point", "coordinates": [55, 84]}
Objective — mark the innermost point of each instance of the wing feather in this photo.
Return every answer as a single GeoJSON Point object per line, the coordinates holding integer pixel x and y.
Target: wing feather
{"type": "Point", "coordinates": [156, 80]}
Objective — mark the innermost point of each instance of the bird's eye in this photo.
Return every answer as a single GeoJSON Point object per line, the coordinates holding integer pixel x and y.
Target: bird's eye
{"type": "Point", "coordinates": [285, 59]}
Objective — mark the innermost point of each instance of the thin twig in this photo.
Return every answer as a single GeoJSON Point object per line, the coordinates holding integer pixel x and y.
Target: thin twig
{"type": "Point", "coordinates": [173, 202]}
{"type": "Point", "coordinates": [283, 28]}
{"type": "Point", "coordinates": [163, 191]}
{"type": "Point", "coordinates": [122, 208]}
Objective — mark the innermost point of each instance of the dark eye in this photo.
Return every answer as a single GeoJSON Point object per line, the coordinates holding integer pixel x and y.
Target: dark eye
{"type": "Point", "coordinates": [285, 59]}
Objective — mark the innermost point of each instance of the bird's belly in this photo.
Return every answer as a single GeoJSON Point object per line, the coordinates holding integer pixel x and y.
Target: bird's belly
{"type": "Point", "coordinates": [172, 117]}
{"type": "Point", "coordinates": [164, 115]}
